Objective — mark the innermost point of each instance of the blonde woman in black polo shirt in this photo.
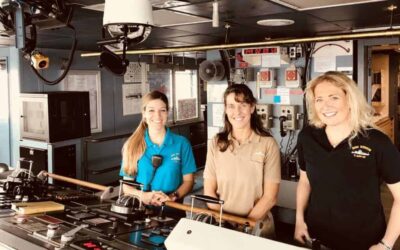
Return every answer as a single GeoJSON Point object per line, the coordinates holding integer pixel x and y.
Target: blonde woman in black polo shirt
{"type": "Point", "coordinates": [343, 159]}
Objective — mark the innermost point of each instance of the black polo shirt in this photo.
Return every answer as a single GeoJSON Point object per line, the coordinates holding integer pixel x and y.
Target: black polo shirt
{"type": "Point", "coordinates": [344, 209]}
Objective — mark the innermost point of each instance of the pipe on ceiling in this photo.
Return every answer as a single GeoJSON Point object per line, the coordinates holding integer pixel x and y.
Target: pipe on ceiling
{"type": "Point", "coordinates": [352, 36]}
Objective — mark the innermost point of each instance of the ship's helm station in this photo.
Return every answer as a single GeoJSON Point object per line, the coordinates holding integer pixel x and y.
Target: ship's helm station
{"type": "Point", "coordinates": [76, 214]}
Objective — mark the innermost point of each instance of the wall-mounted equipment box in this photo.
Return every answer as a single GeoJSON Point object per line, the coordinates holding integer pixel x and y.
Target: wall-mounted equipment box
{"type": "Point", "coordinates": [292, 77]}
{"type": "Point", "coordinates": [55, 116]}
{"type": "Point", "coordinates": [266, 78]}
{"type": "Point", "coordinates": [290, 113]}
{"type": "Point", "coordinates": [265, 113]}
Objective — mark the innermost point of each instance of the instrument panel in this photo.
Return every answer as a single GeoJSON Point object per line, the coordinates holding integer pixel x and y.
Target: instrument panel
{"type": "Point", "coordinates": [86, 224]}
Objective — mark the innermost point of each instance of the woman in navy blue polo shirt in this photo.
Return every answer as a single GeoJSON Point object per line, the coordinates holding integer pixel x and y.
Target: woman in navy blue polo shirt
{"type": "Point", "coordinates": [157, 158]}
{"type": "Point", "coordinates": [343, 159]}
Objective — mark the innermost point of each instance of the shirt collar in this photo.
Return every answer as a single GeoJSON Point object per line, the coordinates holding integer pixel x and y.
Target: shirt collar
{"type": "Point", "coordinates": [168, 140]}
{"type": "Point", "coordinates": [252, 138]}
{"type": "Point", "coordinates": [321, 137]}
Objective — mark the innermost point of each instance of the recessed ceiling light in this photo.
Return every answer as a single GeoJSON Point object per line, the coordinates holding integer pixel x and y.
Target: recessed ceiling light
{"type": "Point", "coordinates": [392, 7]}
{"type": "Point", "coordinates": [275, 22]}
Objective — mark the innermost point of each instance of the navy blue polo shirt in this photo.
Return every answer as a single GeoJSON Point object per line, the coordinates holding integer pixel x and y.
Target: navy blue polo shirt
{"type": "Point", "coordinates": [344, 209]}
{"type": "Point", "coordinates": [178, 160]}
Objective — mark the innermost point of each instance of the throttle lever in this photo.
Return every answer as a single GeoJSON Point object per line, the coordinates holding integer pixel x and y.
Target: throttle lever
{"type": "Point", "coordinates": [209, 199]}
{"type": "Point", "coordinates": [68, 236]}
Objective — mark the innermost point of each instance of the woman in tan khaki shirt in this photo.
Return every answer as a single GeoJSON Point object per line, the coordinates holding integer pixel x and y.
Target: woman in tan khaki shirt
{"type": "Point", "coordinates": [243, 161]}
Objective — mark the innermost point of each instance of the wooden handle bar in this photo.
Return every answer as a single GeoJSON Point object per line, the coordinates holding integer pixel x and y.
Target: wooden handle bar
{"type": "Point", "coordinates": [225, 216]}
{"type": "Point", "coordinates": [176, 205]}
{"type": "Point", "coordinates": [77, 182]}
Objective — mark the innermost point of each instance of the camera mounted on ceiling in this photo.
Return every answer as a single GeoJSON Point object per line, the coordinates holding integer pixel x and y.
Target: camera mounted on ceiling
{"type": "Point", "coordinates": [18, 16]}
{"type": "Point", "coordinates": [126, 22]}
{"type": "Point", "coordinates": [39, 61]}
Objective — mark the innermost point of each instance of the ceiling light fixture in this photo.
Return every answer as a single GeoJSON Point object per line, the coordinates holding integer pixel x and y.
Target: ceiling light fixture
{"type": "Point", "coordinates": [215, 15]}
{"type": "Point", "coordinates": [275, 22]}
{"type": "Point", "coordinates": [392, 7]}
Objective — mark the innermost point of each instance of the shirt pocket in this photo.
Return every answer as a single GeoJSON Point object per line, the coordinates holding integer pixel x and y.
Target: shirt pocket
{"type": "Point", "coordinates": [257, 160]}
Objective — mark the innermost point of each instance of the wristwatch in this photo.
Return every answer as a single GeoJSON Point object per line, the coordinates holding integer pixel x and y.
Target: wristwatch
{"type": "Point", "coordinates": [175, 194]}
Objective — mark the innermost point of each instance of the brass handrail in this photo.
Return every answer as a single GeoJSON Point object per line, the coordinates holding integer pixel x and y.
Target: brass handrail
{"type": "Point", "coordinates": [347, 36]}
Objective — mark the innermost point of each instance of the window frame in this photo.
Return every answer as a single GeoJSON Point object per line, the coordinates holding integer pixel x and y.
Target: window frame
{"type": "Point", "coordinates": [174, 107]}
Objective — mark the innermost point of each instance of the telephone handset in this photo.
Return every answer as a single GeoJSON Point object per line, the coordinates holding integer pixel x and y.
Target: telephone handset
{"type": "Point", "coordinates": [282, 131]}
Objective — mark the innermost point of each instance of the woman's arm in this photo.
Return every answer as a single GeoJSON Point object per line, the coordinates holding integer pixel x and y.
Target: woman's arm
{"type": "Point", "coordinates": [393, 227]}
{"type": "Point", "coordinates": [148, 198]}
{"type": "Point", "coordinates": [266, 202]}
{"type": "Point", "coordinates": [184, 188]}
{"type": "Point", "coordinates": [210, 189]}
{"type": "Point", "coordinates": [302, 196]}
{"type": "Point", "coordinates": [271, 179]}
{"type": "Point", "coordinates": [210, 175]}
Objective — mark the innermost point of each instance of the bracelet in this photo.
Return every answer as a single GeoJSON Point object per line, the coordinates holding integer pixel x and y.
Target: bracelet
{"type": "Point", "coordinates": [386, 246]}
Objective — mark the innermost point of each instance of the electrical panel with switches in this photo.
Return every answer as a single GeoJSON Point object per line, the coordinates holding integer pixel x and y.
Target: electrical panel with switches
{"type": "Point", "coordinates": [266, 77]}
{"type": "Point", "coordinates": [288, 117]}
{"type": "Point", "coordinates": [292, 77]}
{"type": "Point", "coordinates": [265, 113]}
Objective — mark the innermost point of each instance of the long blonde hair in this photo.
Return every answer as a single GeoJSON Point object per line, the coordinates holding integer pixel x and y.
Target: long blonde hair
{"type": "Point", "coordinates": [361, 113]}
{"type": "Point", "coordinates": [135, 146]}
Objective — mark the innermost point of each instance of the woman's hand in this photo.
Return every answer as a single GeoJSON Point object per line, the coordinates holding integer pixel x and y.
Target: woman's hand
{"type": "Point", "coordinates": [159, 198]}
{"type": "Point", "coordinates": [301, 232]}
{"type": "Point", "coordinates": [147, 197]}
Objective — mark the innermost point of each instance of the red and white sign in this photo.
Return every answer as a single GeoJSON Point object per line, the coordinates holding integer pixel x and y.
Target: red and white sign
{"type": "Point", "coordinates": [292, 77]}
{"type": "Point", "coordinates": [266, 78]}
{"type": "Point", "coordinates": [255, 56]}
{"type": "Point", "coordinates": [259, 51]}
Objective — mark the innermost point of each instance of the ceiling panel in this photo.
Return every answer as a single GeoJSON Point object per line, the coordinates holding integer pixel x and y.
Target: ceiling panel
{"type": "Point", "coordinates": [299, 18]}
{"type": "Point", "coordinates": [230, 9]}
{"type": "Point", "coordinates": [197, 39]}
{"type": "Point", "coordinates": [153, 43]}
{"type": "Point", "coordinates": [317, 4]}
{"type": "Point", "coordinates": [374, 11]}
{"type": "Point", "coordinates": [168, 32]}
{"type": "Point", "coordinates": [201, 28]}
{"type": "Point", "coordinates": [242, 16]}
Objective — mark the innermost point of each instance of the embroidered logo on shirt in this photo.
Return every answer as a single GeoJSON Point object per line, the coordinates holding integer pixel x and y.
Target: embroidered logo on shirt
{"type": "Point", "coordinates": [259, 153]}
{"type": "Point", "coordinates": [360, 151]}
{"type": "Point", "coordinates": [176, 157]}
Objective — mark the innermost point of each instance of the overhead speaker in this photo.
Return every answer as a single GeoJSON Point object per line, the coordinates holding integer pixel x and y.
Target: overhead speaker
{"type": "Point", "coordinates": [211, 70]}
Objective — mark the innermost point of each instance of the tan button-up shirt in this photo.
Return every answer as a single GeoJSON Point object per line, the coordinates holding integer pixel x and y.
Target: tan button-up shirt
{"type": "Point", "coordinates": [241, 172]}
